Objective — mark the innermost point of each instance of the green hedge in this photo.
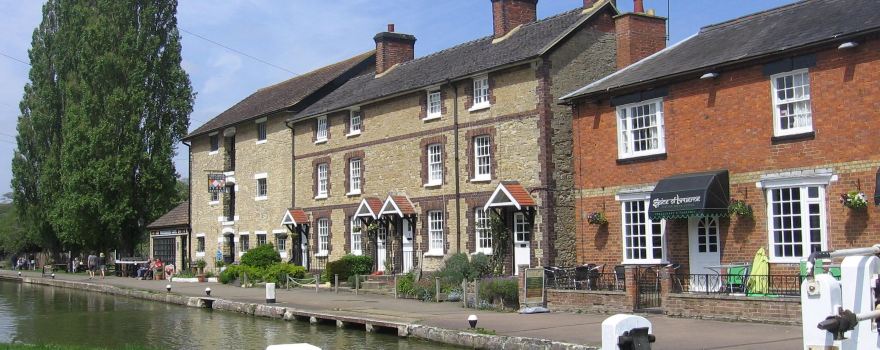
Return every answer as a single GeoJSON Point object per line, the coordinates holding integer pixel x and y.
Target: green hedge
{"type": "Point", "coordinates": [271, 274]}
{"type": "Point", "coordinates": [500, 291]}
{"type": "Point", "coordinates": [262, 256]}
{"type": "Point", "coordinates": [348, 266]}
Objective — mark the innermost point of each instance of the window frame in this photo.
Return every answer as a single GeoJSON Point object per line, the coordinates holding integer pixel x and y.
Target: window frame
{"type": "Point", "coordinates": [214, 198]}
{"type": "Point", "coordinates": [482, 93]}
{"type": "Point", "coordinates": [281, 243]}
{"type": "Point", "coordinates": [432, 163]}
{"type": "Point", "coordinates": [200, 244]}
{"type": "Point", "coordinates": [352, 130]}
{"type": "Point", "coordinates": [482, 231]}
{"type": "Point", "coordinates": [804, 202]}
{"type": "Point", "coordinates": [626, 145]}
{"type": "Point", "coordinates": [354, 176]}
{"type": "Point", "coordinates": [322, 229]}
{"type": "Point", "coordinates": [262, 238]}
{"type": "Point", "coordinates": [778, 131]}
{"type": "Point", "coordinates": [357, 247]}
{"type": "Point", "coordinates": [434, 99]}
{"type": "Point", "coordinates": [322, 126]}
{"type": "Point", "coordinates": [213, 143]}
{"type": "Point", "coordinates": [323, 179]}
{"type": "Point", "coordinates": [478, 176]}
{"type": "Point", "coordinates": [262, 131]}
{"type": "Point", "coordinates": [244, 243]}
{"type": "Point", "coordinates": [436, 233]}
{"type": "Point", "coordinates": [262, 189]}
{"type": "Point", "coordinates": [647, 226]}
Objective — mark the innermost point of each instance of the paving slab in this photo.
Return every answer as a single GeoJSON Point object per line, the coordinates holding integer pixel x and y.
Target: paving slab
{"type": "Point", "coordinates": [671, 333]}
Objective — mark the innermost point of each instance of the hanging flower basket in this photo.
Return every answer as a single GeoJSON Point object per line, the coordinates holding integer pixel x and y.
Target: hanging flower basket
{"type": "Point", "coordinates": [597, 218]}
{"type": "Point", "coordinates": [854, 200]}
{"type": "Point", "coordinates": [740, 208]}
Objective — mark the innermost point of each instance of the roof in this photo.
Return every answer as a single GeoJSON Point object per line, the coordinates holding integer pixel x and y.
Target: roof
{"type": "Point", "coordinates": [370, 207]}
{"type": "Point", "coordinates": [510, 194]}
{"type": "Point", "coordinates": [285, 94]}
{"type": "Point", "coordinates": [179, 216]}
{"type": "Point", "coordinates": [772, 32]}
{"type": "Point", "coordinates": [295, 217]}
{"type": "Point", "coordinates": [399, 205]}
{"type": "Point", "coordinates": [481, 55]}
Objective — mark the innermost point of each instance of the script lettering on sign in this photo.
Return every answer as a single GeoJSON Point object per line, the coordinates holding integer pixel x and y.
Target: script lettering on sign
{"type": "Point", "coordinates": [677, 200]}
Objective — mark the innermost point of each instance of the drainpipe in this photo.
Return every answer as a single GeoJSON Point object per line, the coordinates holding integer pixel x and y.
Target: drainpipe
{"type": "Point", "coordinates": [292, 166]}
{"type": "Point", "coordinates": [457, 170]}
{"type": "Point", "coordinates": [189, 205]}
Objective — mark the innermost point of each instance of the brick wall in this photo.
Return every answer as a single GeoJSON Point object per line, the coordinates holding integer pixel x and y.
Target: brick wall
{"type": "Point", "coordinates": [509, 14]}
{"type": "Point", "coordinates": [638, 36]}
{"type": "Point", "coordinates": [590, 301]}
{"type": "Point", "coordinates": [732, 308]}
{"type": "Point", "coordinates": [726, 123]}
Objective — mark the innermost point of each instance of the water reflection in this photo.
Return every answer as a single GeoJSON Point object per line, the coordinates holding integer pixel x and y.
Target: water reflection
{"type": "Point", "coordinates": [36, 314]}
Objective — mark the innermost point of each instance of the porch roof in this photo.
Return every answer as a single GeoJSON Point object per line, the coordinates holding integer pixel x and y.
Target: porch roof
{"type": "Point", "coordinates": [398, 205]}
{"type": "Point", "coordinates": [295, 217]}
{"type": "Point", "coordinates": [370, 207]}
{"type": "Point", "coordinates": [510, 194]}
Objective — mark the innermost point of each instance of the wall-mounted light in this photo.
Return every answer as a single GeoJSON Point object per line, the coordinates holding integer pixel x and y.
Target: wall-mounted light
{"type": "Point", "coordinates": [710, 75]}
{"type": "Point", "coordinates": [848, 45]}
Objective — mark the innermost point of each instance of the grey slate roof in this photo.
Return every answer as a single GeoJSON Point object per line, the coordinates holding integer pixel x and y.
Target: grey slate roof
{"type": "Point", "coordinates": [770, 32]}
{"type": "Point", "coordinates": [457, 62]}
{"type": "Point", "coordinates": [283, 95]}
{"type": "Point", "coordinates": [179, 216]}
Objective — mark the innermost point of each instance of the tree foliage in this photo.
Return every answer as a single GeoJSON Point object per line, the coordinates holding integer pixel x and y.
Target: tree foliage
{"type": "Point", "coordinates": [106, 104]}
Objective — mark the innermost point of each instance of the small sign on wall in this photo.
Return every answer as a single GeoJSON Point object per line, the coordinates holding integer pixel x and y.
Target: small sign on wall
{"type": "Point", "coordinates": [216, 183]}
{"type": "Point", "coordinates": [534, 286]}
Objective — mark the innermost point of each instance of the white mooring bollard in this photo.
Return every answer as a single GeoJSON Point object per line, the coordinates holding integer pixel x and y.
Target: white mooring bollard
{"type": "Point", "coordinates": [270, 293]}
{"type": "Point", "coordinates": [626, 328]}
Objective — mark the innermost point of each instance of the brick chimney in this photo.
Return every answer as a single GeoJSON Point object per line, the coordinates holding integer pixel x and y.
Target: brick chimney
{"type": "Point", "coordinates": [508, 14]}
{"type": "Point", "coordinates": [639, 35]}
{"type": "Point", "coordinates": [393, 48]}
{"type": "Point", "coordinates": [590, 3]}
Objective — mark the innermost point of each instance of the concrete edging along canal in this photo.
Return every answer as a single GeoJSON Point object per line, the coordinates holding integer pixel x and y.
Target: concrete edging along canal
{"type": "Point", "coordinates": [435, 334]}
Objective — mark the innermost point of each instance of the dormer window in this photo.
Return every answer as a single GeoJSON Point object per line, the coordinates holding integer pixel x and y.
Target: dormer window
{"type": "Point", "coordinates": [434, 105]}
{"type": "Point", "coordinates": [354, 123]}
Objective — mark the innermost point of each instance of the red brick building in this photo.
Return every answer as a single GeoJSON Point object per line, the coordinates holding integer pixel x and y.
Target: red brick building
{"type": "Point", "coordinates": [777, 111]}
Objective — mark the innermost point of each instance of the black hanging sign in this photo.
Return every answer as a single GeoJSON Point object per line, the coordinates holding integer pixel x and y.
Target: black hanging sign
{"type": "Point", "coordinates": [216, 183]}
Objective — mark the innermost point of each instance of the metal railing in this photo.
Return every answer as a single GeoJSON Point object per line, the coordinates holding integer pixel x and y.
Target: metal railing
{"type": "Point", "coordinates": [738, 284]}
{"type": "Point", "coordinates": [583, 278]}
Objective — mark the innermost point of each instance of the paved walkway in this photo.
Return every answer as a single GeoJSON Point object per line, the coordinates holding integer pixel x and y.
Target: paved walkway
{"type": "Point", "coordinates": [672, 333]}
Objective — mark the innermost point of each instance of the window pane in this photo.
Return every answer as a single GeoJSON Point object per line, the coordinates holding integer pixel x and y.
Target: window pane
{"type": "Point", "coordinates": [261, 131]}
{"type": "Point", "coordinates": [435, 164]}
{"type": "Point", "coordinates": [355, 236]}
{"type": "Point", "coordinates": [435, 231]}
{"type": "Point", "coordinates": [640, 128]}
{"type": "Point", "coordinates": [482, 157]}
{"type": "Point", "coordinates": [354, 175]}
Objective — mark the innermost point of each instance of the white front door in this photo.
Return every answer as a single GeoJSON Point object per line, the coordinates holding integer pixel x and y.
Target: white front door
{"type": "Point", "coordinates": [407, 246]}
{"type": "Point", "coordinates": [381, 235]}
{"type": "Point", "coordinates": [705, 251]}
{"type": "Point", "coordinates": [522, 248]}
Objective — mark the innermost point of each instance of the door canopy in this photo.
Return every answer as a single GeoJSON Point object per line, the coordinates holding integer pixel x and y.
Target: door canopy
{"type": "Point", "coordinates": [397, 205]}
{"type": "Point", "coordinates": [687, 195]}
{"type": "Point", "coordinates": [510, 194]}
{"type": "Point", "coordinates": [295, 217]}
{"type": "Point", "coordinates": [369, 209]}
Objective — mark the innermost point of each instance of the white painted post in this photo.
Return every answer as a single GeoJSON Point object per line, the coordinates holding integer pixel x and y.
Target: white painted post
{"type": "Point", "coordinates": [336, 283]}
{"type": "Point", "coordinates": [270, 293]}
{"type": "Point", "coordinates": [395, 287]}
{"type": "Point", "coordinates": [437, 289]}
{"type": "Point", "coordinates": [317, 280]}
{"type": "Point", "coordinates": [357, 283]}
{"type": "Point", "coordinates": [614, 327]}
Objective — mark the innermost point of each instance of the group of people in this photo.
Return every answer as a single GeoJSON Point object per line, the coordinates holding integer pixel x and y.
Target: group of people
{"type": "Point", "coordinates": [145, 270]}
{"type": "Point", "coordinates": [22, 263]}
{"type": "Point", "coordinates": [95, 264]}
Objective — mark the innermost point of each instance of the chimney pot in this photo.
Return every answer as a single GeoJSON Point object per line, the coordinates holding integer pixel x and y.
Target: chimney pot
{"type": "Point", "coordinates": [638, 6]}
{"type": "Point", "coordinates": [393, 48]}
{"type": "Point", "coordinates": [391, 27]}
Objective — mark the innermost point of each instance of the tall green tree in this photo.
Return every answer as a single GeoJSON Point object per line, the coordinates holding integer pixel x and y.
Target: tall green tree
{"type": "Point", "coordinates": [123, 104]}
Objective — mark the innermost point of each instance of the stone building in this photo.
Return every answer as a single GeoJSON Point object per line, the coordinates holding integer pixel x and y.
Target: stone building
{"type": "Point", "coordinates": [169, 236]}
{"type": "Point", "coordinates": [773, 114]}
{"type": "Point", "coordinates": [247, 150]}
{"type": "Point", "coordinates": [428, 147]}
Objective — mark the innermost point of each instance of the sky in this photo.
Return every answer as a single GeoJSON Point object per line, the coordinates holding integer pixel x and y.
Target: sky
{"type": "Point", "coordinates": [231, 48]}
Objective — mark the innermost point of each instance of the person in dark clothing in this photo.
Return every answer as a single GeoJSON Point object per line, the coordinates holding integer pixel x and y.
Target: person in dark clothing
{"type": "Point", "coordinates": [102, 264]}
{"type": "Point", "coordinates": [92, 262]}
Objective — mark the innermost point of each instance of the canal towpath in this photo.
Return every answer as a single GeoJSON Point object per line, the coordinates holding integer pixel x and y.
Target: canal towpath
{"type": "Point", "coordinates": [576, 328]}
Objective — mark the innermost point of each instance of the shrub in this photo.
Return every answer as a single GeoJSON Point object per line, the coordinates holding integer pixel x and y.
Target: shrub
{"type": "Point", "coordinates": [481, 266]}
{"type": "Point", "coordinates": [456, 269]}
{"type": "Point", "coordinates": [348, 266]}
{"type": "Point", "coordinates": [276, 273]}
{"type": "Point", "coordinates": [406, 284]}
{"type": "Point", "coordinates": [503, 291]}
{"type": "Point", "coordinates": [262, 256]}
{"type": "Point", "coordinates": [270, 274]}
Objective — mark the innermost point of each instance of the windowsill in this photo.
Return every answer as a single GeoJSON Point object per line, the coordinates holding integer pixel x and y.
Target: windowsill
{"type": "Point", "coordinates": [357, 252]}
{"type": "Point", "coordinates": [487, 253]}
{"type": "Point", "coordinates": [282, 254]}
{"type": "Point", "coordinates": [478, 107]}
{"type": "Point", "coordinates": [200, 254]}
{"type": "Point", "coordinates": [433, 184]}
{"type": "Point", "coordinates": [262, 198]}
{"type": "Point", "coordinates": [318, 142]}
{"type": "Point", "coordinates": [227, 223]}
{"type": "Point", "coordinates": [352, 194]}
{"type": "Point", "coordinates": [432, 118]}
{"type": "Point", "coordinates": [322, 254]}
{"type": "Point", "coordinates": [482, 179]}
{"type": "Point", "coordinates": [353, 134]}
{"type": "Point", "coordinates": [213, 203]}
{"type": "Point", "coordinates": [644, 158]}
{"type": "Point", "coordinates": [435, 254]}
{"type": "Point", "coordinates": [211, 153]}
{"type": "Point", "coordinates": [644, 262]}
{"type": "Point", "coordinates": [809, 135]}
{"type": "Point", "coordinates": [241, 253]}
{"type": "Point", "coordinates": [773, 260]}
{"type": "Point", "coordinates": [322, 196]}
{"type": "Point", "coordinates": [260, 142]}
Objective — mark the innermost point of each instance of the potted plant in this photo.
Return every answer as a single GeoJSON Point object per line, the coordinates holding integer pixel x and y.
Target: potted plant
{"type": "Point", "coordinates": [854, 200]}
{"type": "Point", "coordinates": [597, 218]}
{"type": "Point", "coordinates": [200, 265]}
{"type": "Point", "coordinates": [740, 208]}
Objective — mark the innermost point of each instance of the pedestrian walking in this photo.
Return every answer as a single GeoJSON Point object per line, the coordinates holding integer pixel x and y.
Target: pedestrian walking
{"type": "Point", "coordinates": [92, 262]}
{"type": "Point", "coordinates": [102, 265]}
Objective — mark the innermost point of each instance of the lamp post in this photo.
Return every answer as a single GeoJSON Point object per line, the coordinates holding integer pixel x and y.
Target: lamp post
{"type": "Point", "coordinates": [208, 291]}
{"type": "Point", "coordinates": [168, 287]}
{"type": "Point", "coordinates": [472, 320]}
{"type": "Point", "coordinates": [53, 275]}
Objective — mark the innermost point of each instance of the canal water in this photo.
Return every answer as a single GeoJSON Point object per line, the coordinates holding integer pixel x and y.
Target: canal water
{"type": "Point", "coordinates": [50, 315]}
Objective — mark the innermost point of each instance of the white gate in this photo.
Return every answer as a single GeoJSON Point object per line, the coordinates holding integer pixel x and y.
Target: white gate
{"type": "Point", "coordinates": [381, 236]}
{"type": "Point", "coordinates": [522, 249]}
{"type": "Point", "coordinates": [407, 246]}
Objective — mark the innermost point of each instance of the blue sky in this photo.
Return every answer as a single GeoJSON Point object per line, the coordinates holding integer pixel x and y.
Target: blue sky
{"type": "Point", "coordinates": [301, 35]}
